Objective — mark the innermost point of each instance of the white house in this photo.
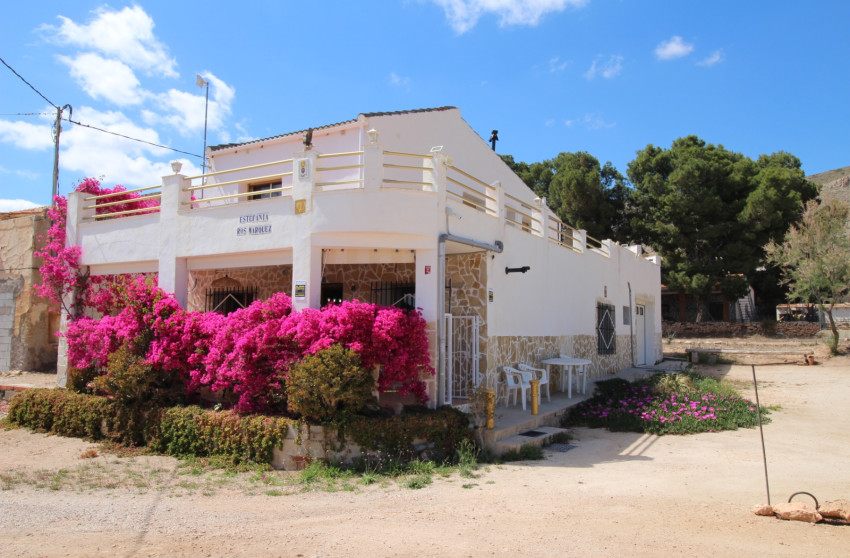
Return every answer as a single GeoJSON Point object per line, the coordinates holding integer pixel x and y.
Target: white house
{"type": "Point", "coordinates": [399, 208]}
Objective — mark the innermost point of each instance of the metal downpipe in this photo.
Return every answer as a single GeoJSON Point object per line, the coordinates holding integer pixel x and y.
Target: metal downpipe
{"type": "Point", "coordinates": [497, 247]}
{"type": "Point", "coordinates": [631, 326]}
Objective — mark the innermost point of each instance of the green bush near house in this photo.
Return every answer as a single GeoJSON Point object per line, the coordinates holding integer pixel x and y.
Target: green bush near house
{"type": "Point", "coordinates": [192, 431]}
{"type": "Point", "coordinates": [329, 385]}
{"type": "Point", "coordinates": [415, 433]}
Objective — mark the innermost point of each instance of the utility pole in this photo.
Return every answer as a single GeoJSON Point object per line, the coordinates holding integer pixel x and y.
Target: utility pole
{"type": "Point", "coordinates": [57, 130]}
{"type": "Point", "coordinates": [201, 82]}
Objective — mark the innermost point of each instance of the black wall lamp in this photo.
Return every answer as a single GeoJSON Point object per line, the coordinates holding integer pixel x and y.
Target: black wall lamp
{"type": "Point", "coordinates": [522, 269]}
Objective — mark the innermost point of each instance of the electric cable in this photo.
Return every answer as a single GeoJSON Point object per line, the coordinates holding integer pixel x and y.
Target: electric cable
{"type": "Point", "coordinates": [40, 94]}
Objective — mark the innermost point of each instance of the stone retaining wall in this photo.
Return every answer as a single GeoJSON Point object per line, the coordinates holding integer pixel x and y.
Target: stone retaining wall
{"type": "Point", "coordinates": [727, 329]}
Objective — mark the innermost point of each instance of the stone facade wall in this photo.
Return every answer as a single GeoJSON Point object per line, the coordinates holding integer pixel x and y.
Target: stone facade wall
{"type": "Point", "coordinates": [727, 329]}
{"type": "Point", "coordinates": [468, 275]}
{"type": "Point", "coordinates": [357, 279]}
{"type": "Point", "coordinates": [28, 324]}
{"type": "Point", "coordinates": [508, 351]}
{"type": "Point", "coordinates": [269, 280]}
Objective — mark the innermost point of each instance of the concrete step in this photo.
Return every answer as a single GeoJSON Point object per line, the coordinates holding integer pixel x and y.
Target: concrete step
{"type": "Point", "coordinates": [537, 436]}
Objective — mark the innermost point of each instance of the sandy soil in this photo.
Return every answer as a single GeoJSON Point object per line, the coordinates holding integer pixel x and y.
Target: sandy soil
{"type": "Point", "coordinates": [614, 494]}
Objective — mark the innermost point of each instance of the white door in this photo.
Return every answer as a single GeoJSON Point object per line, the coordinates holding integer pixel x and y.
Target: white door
{"type": "Point", "coordinates": [640, 334]}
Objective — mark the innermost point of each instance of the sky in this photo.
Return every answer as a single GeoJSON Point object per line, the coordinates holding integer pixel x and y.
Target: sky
{"type": "Point", "coordinates": [608, 77]}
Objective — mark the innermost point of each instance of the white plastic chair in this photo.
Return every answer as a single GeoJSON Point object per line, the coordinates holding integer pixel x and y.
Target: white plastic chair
{"type": "Point", "coordinates": [542, 377]}
{"type": "Point", "coordinates": [516, 382]}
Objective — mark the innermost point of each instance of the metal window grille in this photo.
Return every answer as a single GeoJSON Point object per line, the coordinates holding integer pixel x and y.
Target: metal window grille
{"type": "Point", "coordinates": [225, 300]}
{"type": "Point", "coordinates": [262, 188]}
{"type": "Point", "coordinates": [605, 329]}
{"type": "Point", "coordinates": [389, 293]}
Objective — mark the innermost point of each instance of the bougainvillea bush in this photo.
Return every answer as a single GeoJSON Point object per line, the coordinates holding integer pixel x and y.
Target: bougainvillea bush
{"type": "Point", "coordinates": [678, 404]}
{"type": "Point", "coordinates": [60, 271]}
{"type": "Point", "coordinates": [246, 355]}
{"type": "Point", "coordinates": [250, 352]}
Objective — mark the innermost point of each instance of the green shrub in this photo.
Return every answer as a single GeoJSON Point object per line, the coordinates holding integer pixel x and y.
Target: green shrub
{"type": "Point", "coordinates": [417, 433]}
{"type": "Point", "coordinates": [130, 380]}
{"type": "Point", "coordinates": [329, 384]}
{"type": "Point", "coordinates": [65, 413]}
{"type": "Point", "coordinates": [192, 431]}
{"type": "Point", "coordinates": [79, 380]}
{"type": "Point", "coordinates": [61, 412]}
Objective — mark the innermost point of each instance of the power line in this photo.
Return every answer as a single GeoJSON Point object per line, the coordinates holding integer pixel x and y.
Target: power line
{"type": "Point", "coordinates": [28, 83]}
{"type": "Point", "coordinates": [86, 125]}
{"type": "Point", "coordinates": [131, 138]}
{"type": "Point", "coordinates": [26, 114]}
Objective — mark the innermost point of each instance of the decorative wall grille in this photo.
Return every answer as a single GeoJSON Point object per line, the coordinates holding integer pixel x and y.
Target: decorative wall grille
{"type": "Point", "coordinates": [225, 300]}
{"type": "Point", "coordinates": [605, 329]}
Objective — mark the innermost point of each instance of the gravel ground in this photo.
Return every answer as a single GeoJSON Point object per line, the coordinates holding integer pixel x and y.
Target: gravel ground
{"type": "Point", "coordinates": [620, 494]}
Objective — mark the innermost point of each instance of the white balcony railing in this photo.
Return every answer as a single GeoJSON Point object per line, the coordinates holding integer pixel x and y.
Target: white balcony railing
{"type": "Point", "coordinates": [347, 171]}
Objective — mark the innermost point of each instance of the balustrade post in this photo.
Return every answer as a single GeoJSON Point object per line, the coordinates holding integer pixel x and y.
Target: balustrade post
{"type": "Point", "coordinates": [499, 204]}
{"type": "Point", "coordinates": [540, 221]}
{"type": "Point", "coordinates": [173, 276]}
{"type": "Point", "coordinates": [580, 239]}
{"type": "Point", "coordinates": [373, 167]}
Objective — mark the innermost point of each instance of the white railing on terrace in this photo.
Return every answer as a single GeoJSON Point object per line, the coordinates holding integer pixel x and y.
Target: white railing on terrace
{"type": "Point", "coordinates": [346, 171]}
{"type": "Point", "coordinates": [564, 235]}
{"type": "Point", "coordinates": [131, 203]}
{"type": "Point", "coordinates": [598, 247]}
{"type": "Point", "coordinates": [205, 185]}
{"type": "Point", "coordinates": [521, 214]}
{"type": "Point", "coordinates": [470, 191]}
{"type": "Point", "coordinates": [340, 177]}
{"type": "Point", "coordinates": [401, 173]}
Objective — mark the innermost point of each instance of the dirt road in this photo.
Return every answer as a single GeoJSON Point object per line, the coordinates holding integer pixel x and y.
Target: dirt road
{"type": "Point", "coordinates": [612, 495]}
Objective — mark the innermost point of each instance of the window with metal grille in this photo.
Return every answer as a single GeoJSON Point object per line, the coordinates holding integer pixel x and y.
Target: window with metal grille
{"type": "Point", "coordinates": [228, 299]}
{"type": "Point", "coordinates": [401, 295]}
{"type": "Point", "coordinates": [605, 329]}
{"type": "Point", "coordinates": [263, 188]}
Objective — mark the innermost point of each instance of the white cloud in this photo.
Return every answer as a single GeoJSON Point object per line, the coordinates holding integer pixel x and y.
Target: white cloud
{"type": "Point", "coordinates": [590, 121]}
{"type": "Point", "coordinates": [715, 57]}
{"type": "Point", "coordinates": [106, 79]}
{"type": "Point", "coordinates": [398, 80]}
{"type": "Point", "coordinates": [558, 65]}
{"type": "Point", "coordinates": [126, 35]}
{"type": "Point", "coordinates": [16, 205]}
{"type": "Point", "coordinates": [243, 136]}
{"type": "Point", "coordinates": [464, 14]}
{"type": "Point", "coordinates": [608, 69]}
{"type": "Point", "coordinates": [593, 121]}
{"type": "Point", "coordinates": [222, 93]}
{"type": "Point", "coordinates": [673, 48]}
{"type": "Point", "coordinates": [185, 111]}
{"type": "Point", "coordinates": [25, 135]}
{"type": "Point", "coordinates": [119, 160]}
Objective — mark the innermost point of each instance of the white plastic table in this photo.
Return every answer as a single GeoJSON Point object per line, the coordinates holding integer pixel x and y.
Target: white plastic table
{"type": "Point", "coordinates": [567, 364]}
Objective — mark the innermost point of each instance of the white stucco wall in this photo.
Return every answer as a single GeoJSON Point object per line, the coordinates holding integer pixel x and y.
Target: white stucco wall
{"type": "Point", "coordinates": [556, 297]}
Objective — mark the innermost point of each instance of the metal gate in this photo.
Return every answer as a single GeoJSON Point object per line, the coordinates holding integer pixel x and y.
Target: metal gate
{"type": "Point", "coordinates": [462, 356]}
